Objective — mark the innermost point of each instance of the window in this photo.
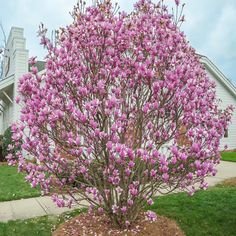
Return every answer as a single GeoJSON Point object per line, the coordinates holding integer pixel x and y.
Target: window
{"type": "Point", "coordinates": [226, 135]}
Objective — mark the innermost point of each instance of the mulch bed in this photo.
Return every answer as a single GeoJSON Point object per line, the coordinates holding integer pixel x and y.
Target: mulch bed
{"type": "Point", "coordinates": [90, 225]}
{"type": "Point", "coordinates": [230, 150]}
{"type": "Point", "coordinates": [229, 182]}
{"type": "Point", "coordinates": [4, 163]}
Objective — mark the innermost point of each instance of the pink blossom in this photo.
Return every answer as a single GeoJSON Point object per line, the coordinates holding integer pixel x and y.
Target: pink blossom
{"type": "Point", "coordinates": [177, 2]}
{"type": "Point", "coordinates": [124, 209]}
{"type": "Point", "coordinates": [130, 202]}
{"type": "Point", "coordinates": [127, 223]}
{"type": "Point", "coordinates": [151, 215]}
{"type": "Point", "coordinates": [109, 145]}
{"type": "Point", "coordinates": [131, 164]}
{"type": "Point", "coordinates": [115, 209]}
{"type": "Point", "coordinates": [133, 192]}
{"type": "Point", "coordinates": [150, 201]}
{"type": "Point", "coordinates": [100, 210]}
{"type": "Point", "coordinates": [165, 177]}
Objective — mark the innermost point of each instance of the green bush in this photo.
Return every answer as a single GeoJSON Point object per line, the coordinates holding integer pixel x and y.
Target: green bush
{"type": "Point", "coordinates": [1, 137]}
{"type": "Point", "coordinates": [7, 139]}
{"type": "Point", "coordinates": [1, 155]}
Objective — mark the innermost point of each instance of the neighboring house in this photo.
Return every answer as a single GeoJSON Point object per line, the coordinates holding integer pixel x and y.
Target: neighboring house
{"type": "Point", "coordinates": [16, 64]}
{"type": "Point", "coordinates": [226, 92]}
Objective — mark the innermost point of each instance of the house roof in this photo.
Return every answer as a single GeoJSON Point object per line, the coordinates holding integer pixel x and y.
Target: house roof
{"type": "Point", "coordinates": [218, 74]}
{"type": "Point", "coordinates": [40, 65]}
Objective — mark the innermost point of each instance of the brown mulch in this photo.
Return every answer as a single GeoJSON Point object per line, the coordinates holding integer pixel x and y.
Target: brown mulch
{"type": "Point", "coordinates": [230, 150]}
{"type": "Point", "coordinates": [4, 163]}
{"type": "Point", "coordinates": [229, 182]}
{"type": "Point", "coordinates": [90, 225]}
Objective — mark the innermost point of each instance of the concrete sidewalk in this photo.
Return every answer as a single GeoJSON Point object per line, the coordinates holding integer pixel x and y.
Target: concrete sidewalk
{"type": "Point", "coordinates": [225, 170]}
{"type": "Point", "coordinates": [29, 208]}
{"type": "Point", "coordinates": [40, 206]}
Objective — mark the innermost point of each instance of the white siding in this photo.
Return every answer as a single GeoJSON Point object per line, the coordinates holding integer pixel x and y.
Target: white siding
{"type": "Point", "coordinates": [227, 98]}
{"type": "Point", "coordinates": [18, 58]}
{"type": "Point", "coordinates": [7, 116]}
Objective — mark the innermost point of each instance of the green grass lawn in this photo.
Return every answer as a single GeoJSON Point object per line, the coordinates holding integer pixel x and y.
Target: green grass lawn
{"type": "Point", "coordinates": [228, 156]}
{"type": "Point", "coordinates": [210, 213]}
{"type": "Point", "coordinates": [42, 226]}
{"type": "Point", "coordinates": [13, 185]}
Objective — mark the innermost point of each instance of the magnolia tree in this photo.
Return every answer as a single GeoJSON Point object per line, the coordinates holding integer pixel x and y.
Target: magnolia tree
{"type": "Point", "coordinates": [124, 111]}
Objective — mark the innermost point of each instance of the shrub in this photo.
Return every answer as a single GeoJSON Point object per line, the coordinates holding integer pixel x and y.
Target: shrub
{"type": "Point", "coordinates": [6, 140]}
{"type": "Point", "coordinates": [1, 154]}
{"type": "Point", "coordinates": [8, 144]}
{"type": "Point", "coordinates": [105, 120]}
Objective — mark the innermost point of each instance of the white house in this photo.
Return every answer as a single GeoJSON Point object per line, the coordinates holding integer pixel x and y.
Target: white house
{"type": "Point", "coordinates": [16, 64]}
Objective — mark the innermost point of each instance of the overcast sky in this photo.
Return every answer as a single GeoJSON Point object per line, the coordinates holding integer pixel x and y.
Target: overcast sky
{"type": "Point", "coordinates": [210, 25]}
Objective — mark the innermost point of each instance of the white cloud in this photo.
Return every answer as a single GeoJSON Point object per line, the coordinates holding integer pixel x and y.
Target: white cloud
{"type": "Point", "coordinates": [210, 27]}
{"type": "Point", "coordinates": [222, 39]}
{"type": "Point", "coordinates": [28, 14]}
